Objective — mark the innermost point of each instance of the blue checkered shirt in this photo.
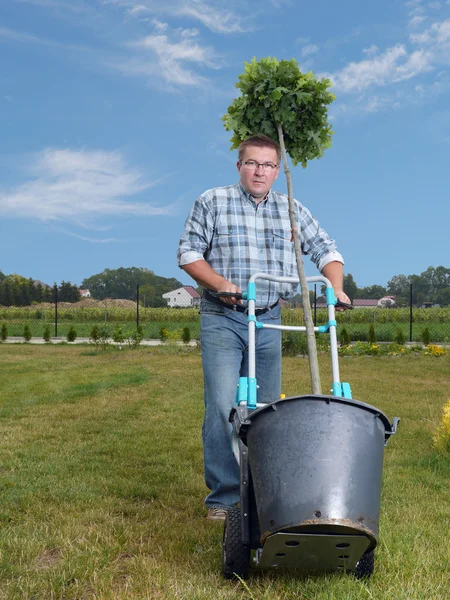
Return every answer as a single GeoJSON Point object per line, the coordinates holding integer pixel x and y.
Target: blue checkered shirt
{"type": "Point", "coordinates": [239, 238]}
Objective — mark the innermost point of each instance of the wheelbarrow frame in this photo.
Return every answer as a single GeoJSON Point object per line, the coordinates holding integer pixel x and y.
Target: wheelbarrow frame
{"type": "Point", "coordinates": [242, 529]}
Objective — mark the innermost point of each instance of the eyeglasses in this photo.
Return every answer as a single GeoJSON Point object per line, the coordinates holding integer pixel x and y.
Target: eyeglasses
{"type": "Point", "coordinates": [252, 165]}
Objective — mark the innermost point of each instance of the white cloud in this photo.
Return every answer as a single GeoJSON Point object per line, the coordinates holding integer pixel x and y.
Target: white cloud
{"type": "Point", "coordinates": [212, 14]}
{"type": "Point", "coordinates": [164, 58]}
{"type": "Point", "coordinates": [417, 20]}
{"type": "Point", "coordinates": [371, 50]}
{"type": "Point", "coordinates": [77, 186]}
{"type": "Point", "coordinates": [310, 49]}
{"type": "Point", "coordinates": [392, 66]}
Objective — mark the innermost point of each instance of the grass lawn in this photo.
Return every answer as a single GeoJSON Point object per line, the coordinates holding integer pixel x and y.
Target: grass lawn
{"type": "Point", "coordinates": [101, 486]}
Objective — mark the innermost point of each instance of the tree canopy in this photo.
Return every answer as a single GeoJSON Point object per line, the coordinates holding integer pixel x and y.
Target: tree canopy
{"type": "Point", "coordinates": [123, 282]}
{"type": "Point", "coordinates": [274, 92]}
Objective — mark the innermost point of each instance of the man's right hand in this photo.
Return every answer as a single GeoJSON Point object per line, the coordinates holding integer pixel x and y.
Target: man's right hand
{"type": "Point", "coordinates": [229, 287]}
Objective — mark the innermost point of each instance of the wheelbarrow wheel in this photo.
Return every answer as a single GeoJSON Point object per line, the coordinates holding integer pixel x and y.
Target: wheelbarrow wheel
{"type": "Point", "coordinates": [365, 566]}
{"type": "Point", "coordinates": [235, 554]}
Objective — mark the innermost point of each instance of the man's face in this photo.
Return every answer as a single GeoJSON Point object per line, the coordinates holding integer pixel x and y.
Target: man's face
{"type": "Point", "coordinates": [258, 181]}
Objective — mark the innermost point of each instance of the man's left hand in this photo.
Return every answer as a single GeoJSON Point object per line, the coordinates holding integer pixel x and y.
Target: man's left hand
{"type": "Point", "coordinates": [342, 296]}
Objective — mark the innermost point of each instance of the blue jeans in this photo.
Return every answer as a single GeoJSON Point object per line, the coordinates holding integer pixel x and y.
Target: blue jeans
{"type": "Point", "coordinates": [224, 343]}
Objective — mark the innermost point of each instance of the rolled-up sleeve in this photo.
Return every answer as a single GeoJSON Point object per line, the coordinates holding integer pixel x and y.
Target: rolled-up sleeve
{"type": "Point", "coordinates": [198, 231]}
{"type": "Point", "coordinates": [315, 241]}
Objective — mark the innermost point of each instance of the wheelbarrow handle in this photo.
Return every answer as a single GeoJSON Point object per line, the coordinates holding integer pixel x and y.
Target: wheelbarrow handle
{"type": "Point", "coordinates": [238, 295]}
{"type": "Point", "coordinates": [344, 304]}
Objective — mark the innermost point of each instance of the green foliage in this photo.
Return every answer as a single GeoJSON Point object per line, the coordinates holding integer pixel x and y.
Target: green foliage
{"type": "Point", "coordinates": [26, 333]}
{"type": "Point", "coordinates": [399, 337]}
{"type": "Point", "coordinates": [118, 335]}
{"type": "Point", "coordinates": [344, 337]}
{"type": "Point", "coordinates": [100, 335]}
{"type": "Point", "coordinates": [371, 338]}
{"type": "Point", "coordinates": [46, 334]}
{"type": "Point", "coordinates": [293, 344]}
{"type": "Point", "coordinates": [71, 334]}
{"type": "Point", "coordinates": [123, 282]}
{"type": "Point", "coordinates": [425, 336]}
{"type": "Point", "coordinates": [95, 334]}
{"type": "Point", "coordinates": [163, 334]}
{"type": "Point", "coordinates": [135, 339]}
{"type": "Point", "coordinates": [186, 335]}
{"type": "Point", "coordinates": [4, 332]}
{"type": "Point", "coordinates": [274, 92]}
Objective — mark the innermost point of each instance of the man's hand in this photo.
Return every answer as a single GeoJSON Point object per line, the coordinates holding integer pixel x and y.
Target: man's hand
{"type": "Point", "coordinates": [229, 287]}
{"type": "Point", "coordinates": [342, 296]}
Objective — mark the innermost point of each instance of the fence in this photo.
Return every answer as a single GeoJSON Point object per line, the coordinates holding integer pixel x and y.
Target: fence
{"type": "Point", "coordinates": [56, 319]}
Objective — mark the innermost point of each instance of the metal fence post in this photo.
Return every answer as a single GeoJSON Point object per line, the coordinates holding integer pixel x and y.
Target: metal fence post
{"type": "Point", "coordinates": [410, 311]}
{"type": "Point", "coordinates": [137, 306]}
{"type": "Point", "coordinates": [315, 304]}
{"type": "Point", "coordinates": [55, 288]}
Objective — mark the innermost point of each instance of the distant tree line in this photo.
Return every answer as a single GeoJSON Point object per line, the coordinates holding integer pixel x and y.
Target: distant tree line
{"type": "Point", "coordinates": [16, 290]}
{"type": "Point", "coordinates": [433, 285]}
{"type": "Point", "coordinates": [123, 282]}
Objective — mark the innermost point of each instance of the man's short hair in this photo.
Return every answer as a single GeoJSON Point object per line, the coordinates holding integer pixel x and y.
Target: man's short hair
{"type": "Point", "coordinates": [260, 140]}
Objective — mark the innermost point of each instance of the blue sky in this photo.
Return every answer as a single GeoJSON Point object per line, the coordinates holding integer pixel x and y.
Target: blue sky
{"type": "Point", "coordinates": [110, 127]}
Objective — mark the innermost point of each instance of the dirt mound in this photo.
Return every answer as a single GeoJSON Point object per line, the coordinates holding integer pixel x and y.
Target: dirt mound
{"type": "Point", "coordinates": [86, 303]}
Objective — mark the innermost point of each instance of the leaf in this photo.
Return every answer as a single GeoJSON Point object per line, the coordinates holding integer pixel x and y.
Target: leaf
{"type": "Point", "coordinates": [274, 92]}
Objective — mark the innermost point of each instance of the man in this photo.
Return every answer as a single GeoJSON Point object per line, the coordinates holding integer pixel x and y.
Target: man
{"type": "Point", "coordinates": [230, 234]}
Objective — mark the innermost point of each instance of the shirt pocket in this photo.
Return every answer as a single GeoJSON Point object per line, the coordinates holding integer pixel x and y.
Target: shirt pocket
{"type": "Point", "coordinates": [281, 239]}
{"type": "Point", "coordinates": [283, 252]}
{"type": "Point", "coordinates": [224, 240]}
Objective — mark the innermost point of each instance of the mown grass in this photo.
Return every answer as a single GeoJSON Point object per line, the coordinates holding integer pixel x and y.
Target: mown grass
{"type": "Point", "coordinates": [101, 486]}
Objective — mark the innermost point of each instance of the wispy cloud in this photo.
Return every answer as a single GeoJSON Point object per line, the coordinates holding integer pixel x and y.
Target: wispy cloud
{"type": "Point", "coordinates": [166, 54]}
{"type": "Point", "coordinates": [25, 38]}
{"type": "Point", "coordinates": [78, 187]}
{"type": "Point", "coordinates": [310, 49]}
{"type": "Point", "coordinates": [393, 65]}
{"type": "Point", "coordinates": [213, 14]}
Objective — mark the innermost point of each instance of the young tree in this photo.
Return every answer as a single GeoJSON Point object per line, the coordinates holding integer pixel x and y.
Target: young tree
{"type": "Point", "coordinates": [289, 106]}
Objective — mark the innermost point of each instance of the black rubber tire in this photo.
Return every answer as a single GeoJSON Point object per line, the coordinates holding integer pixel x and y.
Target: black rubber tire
{"type": "Point", "coordinates": [365, 566]}
{"type": "Point", "coordinates": [235, 555]}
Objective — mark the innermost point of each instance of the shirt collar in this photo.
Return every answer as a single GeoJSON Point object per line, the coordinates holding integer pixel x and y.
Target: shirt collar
{"type": "Point", "coordinates": [248, 196]}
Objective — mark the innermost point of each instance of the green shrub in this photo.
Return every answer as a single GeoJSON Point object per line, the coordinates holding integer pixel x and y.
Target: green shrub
{"type": "Point", "coordinates": [95, 335]}
{"type": "Point", "coordinates": [118, 336]}
{"type": "Point", "coordinates": [135, 339]}
{"type": "Point", "coordinates": [26, 333]}
{"type": "Point", "coordinates": [163, 334]}
{"type": "Point", "coordinates": [47, 334]}
{"type": "Point", "coordinates": [4, 333]}
{"type": "Point", "coordinates": [371, 338]}
{"type": "Point", "coordinates": [344, 337]}
{"type": "Point", "coordinates": [186, 335]}
{"type": "Point", "coordinates": [140, 331]}
{"type": "Point", "coordinates": [71, 334]}
{"type": "Point", "coordinates": [425, 336]}
{"type": "Point", "coordinates": [293, 344]}
{"type": "Point", "coordinates": [399, 337]}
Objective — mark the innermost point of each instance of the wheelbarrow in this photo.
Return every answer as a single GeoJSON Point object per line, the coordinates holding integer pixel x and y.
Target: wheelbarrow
{"type": "Point", "coordinates": [310, 470]}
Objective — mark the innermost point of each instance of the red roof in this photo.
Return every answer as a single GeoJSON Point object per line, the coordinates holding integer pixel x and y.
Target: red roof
{"type": "Point", "coordinates": [191, 291]}
{"type": "Point", "coordinates": [365, 302]}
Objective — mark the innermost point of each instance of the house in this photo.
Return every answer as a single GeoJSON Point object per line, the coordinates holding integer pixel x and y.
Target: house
{"type": "Point", "coordinates": [183, 297]}
{"type": "Point", "coordinates": [85, 293]}
{"type": "Point", "coordinates": [357, 303]}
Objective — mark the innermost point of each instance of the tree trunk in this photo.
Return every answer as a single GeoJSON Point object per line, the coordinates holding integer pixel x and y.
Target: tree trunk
{"type": "Point", "coordinates": [310, 334]}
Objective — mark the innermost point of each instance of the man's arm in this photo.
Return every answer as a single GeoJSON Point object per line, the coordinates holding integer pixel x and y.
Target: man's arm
{"type": "Point", "coordinates": [205, 276]}
{"type": "Point", "coordinates": [335, 273]}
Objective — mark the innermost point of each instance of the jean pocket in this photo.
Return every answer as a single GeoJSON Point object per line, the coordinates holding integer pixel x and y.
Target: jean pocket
{"type": "Point", "coordinates": [209, 308]}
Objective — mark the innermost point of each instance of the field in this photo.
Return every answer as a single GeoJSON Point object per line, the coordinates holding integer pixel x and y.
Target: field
{"type": "Point", "coordinates": [386, 322]}
{"type": "Point", "coordinates": [101, 488]}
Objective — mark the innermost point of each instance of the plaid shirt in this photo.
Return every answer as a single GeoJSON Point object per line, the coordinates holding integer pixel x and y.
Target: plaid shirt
{"type": "Point", "coordinates": [239, 238]}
